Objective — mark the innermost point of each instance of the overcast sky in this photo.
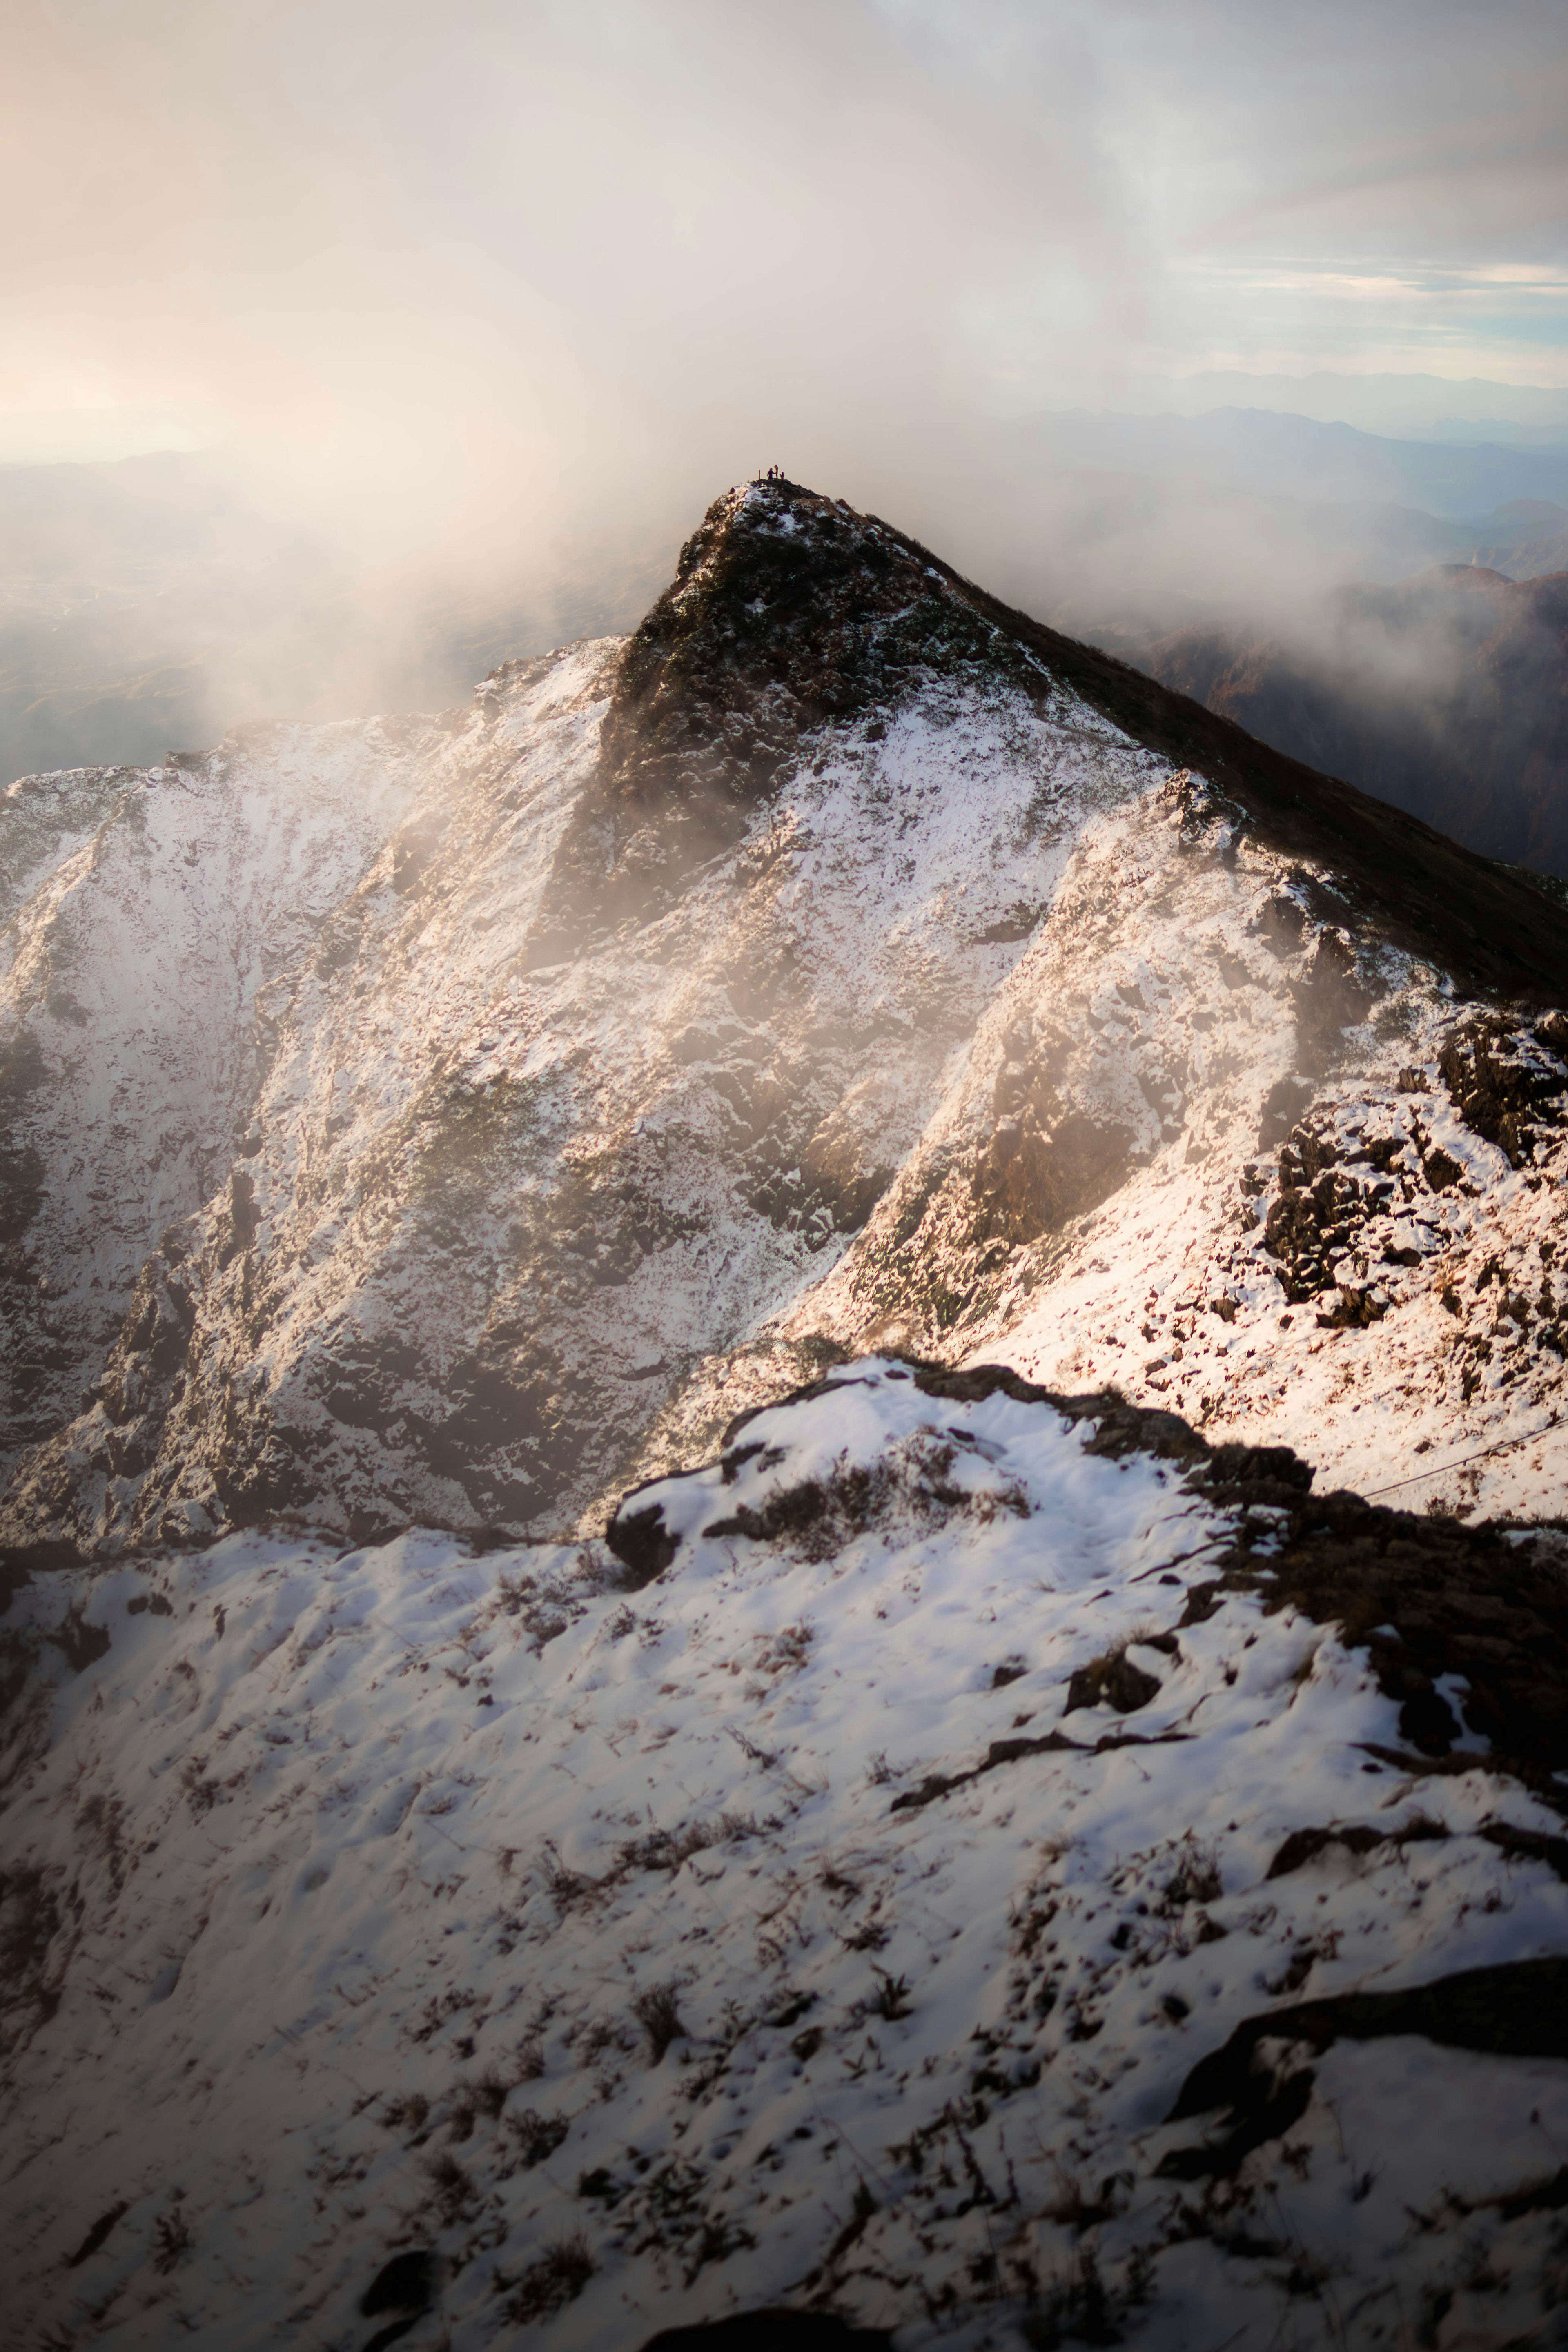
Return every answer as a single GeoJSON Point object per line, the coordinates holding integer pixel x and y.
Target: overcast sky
{"type": "Point", "coordinates": [692, 236]}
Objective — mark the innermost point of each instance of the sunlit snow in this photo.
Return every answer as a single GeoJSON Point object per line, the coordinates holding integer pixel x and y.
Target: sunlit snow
{"type": "Point", "coordinates": [405, 1896]}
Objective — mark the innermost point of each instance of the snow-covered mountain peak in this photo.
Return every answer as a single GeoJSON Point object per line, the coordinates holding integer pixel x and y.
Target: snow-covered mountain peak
{"type": "Point", "coordinates": [789, 613]}
{"type": "Point", "coordinates": [841, 960]}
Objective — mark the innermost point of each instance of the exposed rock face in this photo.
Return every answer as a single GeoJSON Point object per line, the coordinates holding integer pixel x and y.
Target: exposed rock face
{"type": "Point", "coordinates": [439, 1121]}
{"type": "Point", "coordinates": [780, 622]}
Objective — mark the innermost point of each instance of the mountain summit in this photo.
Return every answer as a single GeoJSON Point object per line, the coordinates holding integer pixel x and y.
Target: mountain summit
{"type": "Point", "coordinates": [438, 1120]}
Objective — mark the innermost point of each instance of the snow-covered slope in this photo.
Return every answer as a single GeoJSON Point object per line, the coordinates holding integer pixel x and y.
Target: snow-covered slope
{"type": "Point", "coordinates": [1295, 1226]}
{"type": "Point", "coordinates": [492, 1194]}
{"type": "Point", "coordinates": [438, 1122]}
{"type": "Point", "coordinates": [1010, 1875]}
{"type": "Point", "coordinates": [149, 913]}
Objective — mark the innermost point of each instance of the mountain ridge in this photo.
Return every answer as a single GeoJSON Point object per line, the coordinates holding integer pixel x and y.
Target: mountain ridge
{"type": "Point", "coordinates": [685, 1624]}
{"type": "Point", "coordinates": [686, 1023]}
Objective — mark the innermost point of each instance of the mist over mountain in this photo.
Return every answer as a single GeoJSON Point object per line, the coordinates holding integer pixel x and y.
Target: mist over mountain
{"type": "Point", "coordinates": [1122, 529]}
{"type": "Point", "coordinates": [657, 1329]}
{"type": "Point", "coordinates": [423, 921]}
{"type": "Point", "coordinates": [784, 1364]}
{"type": "Point", "coordinates": [151, 604]}
{"type": "Point", "coordinates": [1447, 696]}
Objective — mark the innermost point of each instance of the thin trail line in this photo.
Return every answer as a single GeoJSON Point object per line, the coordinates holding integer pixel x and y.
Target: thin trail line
{"type": "Point", "coordinates": [1535, 1438]}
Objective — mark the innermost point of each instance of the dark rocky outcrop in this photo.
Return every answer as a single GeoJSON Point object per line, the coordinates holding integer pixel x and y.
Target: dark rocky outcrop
{"type": "Point", "coordinates": [1427, 1598]}
{"type": "Point", "coordinates": [1517, 2011]}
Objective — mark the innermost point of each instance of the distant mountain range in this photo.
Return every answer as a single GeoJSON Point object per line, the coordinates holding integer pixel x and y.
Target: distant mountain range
{"type": "Point", "coordinates": [1410, 407]}
{"type": "Point", "coordinates": [1267, 455]}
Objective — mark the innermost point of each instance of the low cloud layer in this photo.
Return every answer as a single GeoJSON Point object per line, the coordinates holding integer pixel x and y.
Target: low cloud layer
{"type": "Point", "coordinates": [471, 294]}
{"type": "Point", "coordinates": [620, 236]}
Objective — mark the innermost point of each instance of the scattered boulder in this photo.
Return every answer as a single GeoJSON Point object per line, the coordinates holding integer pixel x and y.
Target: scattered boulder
{"type": "Point", "coordinates": [1113, 1681]}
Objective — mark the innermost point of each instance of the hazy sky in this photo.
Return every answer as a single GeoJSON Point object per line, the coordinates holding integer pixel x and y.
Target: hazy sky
{"type": "Point", "coordinates": [691, 235]}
